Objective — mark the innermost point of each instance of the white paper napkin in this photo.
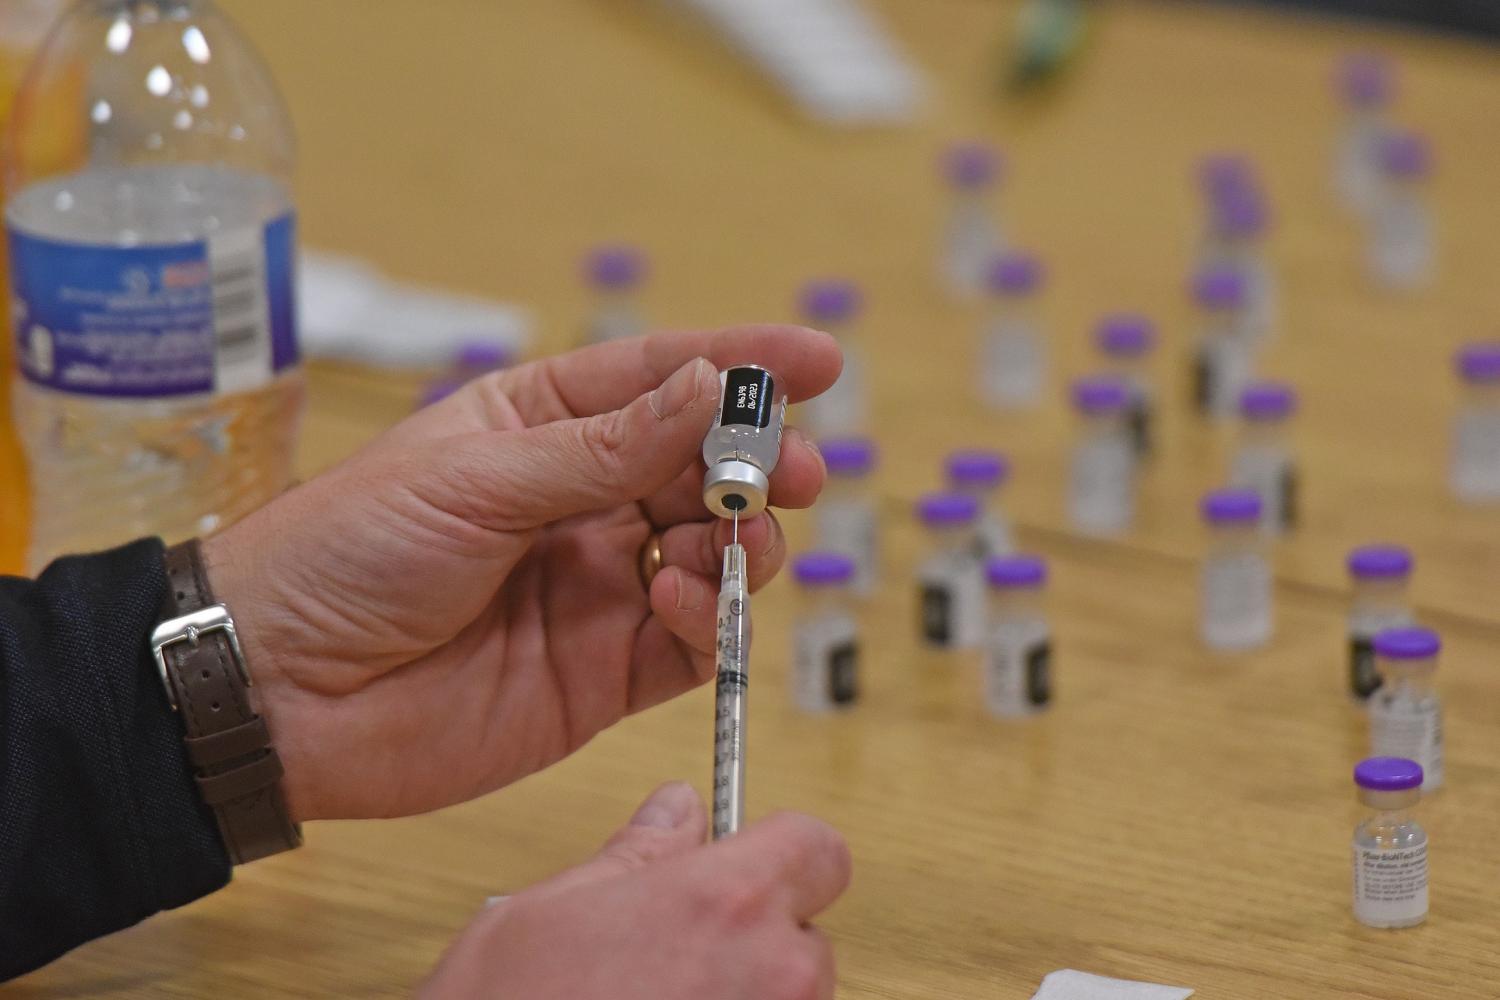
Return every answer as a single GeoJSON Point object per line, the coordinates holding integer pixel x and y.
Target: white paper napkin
{"type": "Point", "coordinates": [1070, 984]}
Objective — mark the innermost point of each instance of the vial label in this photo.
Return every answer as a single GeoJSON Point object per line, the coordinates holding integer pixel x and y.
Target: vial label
{"type": "Point", "coordinates": [825, 664]}
{"type": "Point", "coordinates": [749, 394]}
{"type": "Point", "coordinates": [1288, 492]}
{"type": "Point", "coordinates": [1414, 730]}
{"type": "Point", "coordinates": [992, 538]}
{"type": "Point", "coordinates": [1390, 886]}
{"type": "Point", "coordinates": [1039, 675]}
{"type": "Point", "coordinates": [849, 527]}
{"type": "Point", "coordinates": [843, 674]}
{"type": "Point", "coordinates": [192, 318]}
{"type": "Point", "coordinates": [1364, 679]}
{"type": "Point", "coordinates": [937, 614]}
{"type": "Point", "coordinates": [1139, 422]}
{"type": "Point", "coordinates": [1203, 379]}
{"type": "Point", "coordinates": [1018, 669]}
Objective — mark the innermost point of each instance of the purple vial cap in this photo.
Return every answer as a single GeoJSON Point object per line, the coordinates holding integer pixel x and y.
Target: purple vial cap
{"type": "Point", "coordinates": [1479, 362]}
{"type": "Point", "coordinates": [830, 300]}
{"type": "Point", "coordinates": [1388, 774]}
{"type": "Point", "coordinates": [971, 165]}
{"type": "Point", "coordinates": [848, 456]}
{"type": "Point", "coordinates": [615, 267]}
{"type": "Point", "coordinates": [1267, 401]}
{"type": "Point", "coordinates": [1016, 571]}
{"type": "Point", "coordinates": [1014, 273]}
{"type": "Point", "coordinates": [939, 509]}
{"type": "Point", "coordinates": [1219, 288]}
{"type": "Point", "coordinates": [1406, 154]}
{"type": "Point", "coordinates": [439, 390]}
{"type": "Point", "coordinates": [977, 468]}
{"type": "Point", "coordinates": [1372, 562]}
{"type": "Point", "coordinates": [1241, 213]}
{"type": "Point", "coordinates": [1365, 79]}
{"type": "Point", "coordinates": [1222, 173]}
{"type": "Point", "coordinates": [1125, 335]}
{"type": "Point", "coordinates": [1100, 394]}
{"type": "Point", "coordinates": [485, 354]}
{"type": "Point", "coordinates": [820, 569]}
{"type": "Point", "coordinates": [1231, 506]}
{"type": "Point", "coordinates": [1412, 643]}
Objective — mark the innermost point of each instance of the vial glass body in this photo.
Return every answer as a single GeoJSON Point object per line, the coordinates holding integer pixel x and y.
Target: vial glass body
{"type": "Point", "coordinates": [971, 239]}
{"type": "Point", "coordinates": [846, 520]}
{"type": "Point", "coordinates": [1263, 462]}
{"type": "Point", "coordinates": [1390, 867]}
{"type": "Point", "coordinates": [1378, 604]}
{"type": "Point", "coordinates": [1236, 589]}
{"type": "Point", "coordinates": [616, 316]}
{"type": "Point", "coordinates": [744, 444]}
{"type": "Point", "coordinates": [1406, 717]}
{"type": "Point", "coordinates": [845, 408]}
{"type": "Point", "coordinates": [1012, 354]}
{"type": "Point", "coordinates": [1017, 661]}
{"type": "Point", "coordinates": [1356, 164]}
{"type": "Point", "coordinates": [825, 652]}
{"type": "Point", "coordinates": [1401, 238]}
{"type": "Point", "coordinates": [1135, 371]}
{"type": "Point", "coordinates": [1101, 489]}
{"type": "Point", "coordinates": [1475, 472]}
{"type": "Point", "coordinates": [950, 587]}
{"type": "Point", "coordinates": [1223, 364]}
{"type": "Point", "coordinates": [992, 534]}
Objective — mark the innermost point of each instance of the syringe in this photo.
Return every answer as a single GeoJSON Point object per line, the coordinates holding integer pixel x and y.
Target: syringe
{"type": "Point", "coordinates": [732, 659]}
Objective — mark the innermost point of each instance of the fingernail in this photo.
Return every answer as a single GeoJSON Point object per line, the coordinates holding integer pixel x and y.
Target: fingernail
{"type": "Point", "coordinates": [680, 389]}
{"type": "Point", "coordinates": [669, 807]}
{"type": "Point", "coordinates": [690, 593]}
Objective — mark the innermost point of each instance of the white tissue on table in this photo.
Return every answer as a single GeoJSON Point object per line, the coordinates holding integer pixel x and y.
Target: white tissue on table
{"type": "Point", "coordinates": [1069, 984]}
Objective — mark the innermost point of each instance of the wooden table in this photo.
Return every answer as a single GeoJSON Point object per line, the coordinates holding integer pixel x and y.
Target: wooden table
{"type": "Point", "coordinates": [1180, 816]}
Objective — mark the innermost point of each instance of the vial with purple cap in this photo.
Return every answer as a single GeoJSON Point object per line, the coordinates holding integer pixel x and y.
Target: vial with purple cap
{"type": "Point", "coordinates": [1400, 238]}
{"type": "Point", "coordinates": [1263, 459]}
{"type": "Point", "coordinates": [1101, 486]}
{"type": "Point", "coordinates": [1474, 474]}
{"type": "Point", "coordinates": [825, 636]}
{"type": "Point", "coordinates": [845, 517]}
{"type": "Point", "coordinates": [1017, 641]}
{"type": "Point", "coordinates": [1390, 848]}
{"type": "Point", "coordinates": [971, 236]}
{"type": "Point", "coordinates": [834, 305]}
{"type": "Point", "coordinates": [616, 274]}
{"type": "Point", "coordinates": [950, 581]}
{"type": "Point", "coordinates": [1364, 83]}
{"type": "Point", "coordinates": [1224, 356]}
{"type": "Point", "coordinates": [1236, 588]}
{"type": "Point", "coordinates": [1012, 352]}
{"type": "Point", "coordinates": [1127, 340]}
{"type": "Point", "coordinates": [1380, 574]}
{"type": "Point", "coordinates": [1406, 715]}
{"type": "Point", "coordinates": [982, 474]}
{"type": "Point", "coordinates": [1238, 222]}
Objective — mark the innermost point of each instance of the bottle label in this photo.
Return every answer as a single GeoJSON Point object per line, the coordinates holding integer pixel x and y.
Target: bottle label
{"type": "Point", "coordinates": [1390, 886]}
{"type": "Point", "coordinates": [937, 614]}
{"type": "Point", "coordinates": [209, 316]}
{"type": "Point", "coordinates": [1414, 730]}
{"type": "Point", "coordinates": [748, 397]}
{"type": "Point", "coordinates": [843, 673]}
{"type": "Point", "coordinates": [1364, 679]}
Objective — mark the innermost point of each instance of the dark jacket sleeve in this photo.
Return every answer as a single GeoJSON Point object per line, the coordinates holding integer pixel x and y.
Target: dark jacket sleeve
{"type": "Point", "coordinates": [100, 823]}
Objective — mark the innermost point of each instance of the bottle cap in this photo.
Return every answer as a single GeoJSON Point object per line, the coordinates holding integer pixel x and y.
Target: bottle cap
{"type": "Point", "coordinates": [971, 165]}
{"type": "Point", "coordinates": [735, 487]}
{"type": "Point", "coordinates": [1015, 571]}
{"type": "Point", "coordinates": [1125, 335]}
{"type": "Point", "coordinates": [977, 468]}
{"type": "Point", "coordinates": [1014, 273]}
{"type": "Point", "coordinates": [848, 456]}
{"type": "Point", "coordinates": [819, 569]}
{"type": "Point", "coordinates": [1411, 643]}
{"type": "Point", "coordinates": [1479, 362]}
{"type": "Point", "coordinates": [1231, 507]}
{"type": "Point", "coordinates": [1100, 394]}
{"type": "Point", "coordinates": [1365, 80]}
{"type": "Point", "coordinates": [1267, 401]}
{"type": "Point", "coordinates": [615, 267]}
{"type": "Point", "coordinates": [830, 300]}
{"type": "Point", "coordinates": [942, 509]}
{"type": "Point", "coordinates": [1219, 288]}
{"type": "Point", "coordinates": [1406, 154]}
{"type": "Point", "coordinates": [1388, 774]}
{"type": "Point", "coordinates": [1372, 562]}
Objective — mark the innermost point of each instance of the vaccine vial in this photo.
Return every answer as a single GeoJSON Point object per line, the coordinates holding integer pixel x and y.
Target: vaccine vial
{"type": "Point", "coordinates": [1475, 470]}
{"type": "Point", "coordinates": [1126, 341]}
{"type": "Point", "coordinates": [1390, 849]}
{"type": "Point", "coordinates": [1236, 588]}
{"type": "Point", "coordinates": [615, 273]}
{"type": "Point", "coordinates": [834, 306]}
{"type": "Point", "coordinates": [825, 637]}
{"type": "Point", "coordinates": [1263, 459]}
{"type": "Point", "coordinates": [846, 518]}
{"type": "Point", "coordinates": [1013, 356]}
{"type": "Point", "coordinates": [982, 474]}
{"type": "Point", "coordinates": [1239, 220]}
{"type": "Point", "coordinates": [1017, 641]}
{"type": "Point", "coordinates": [1380, 574]}
{"type": "Point", "coordinates": [971, 236]}
{"type": "Point", "coordinates": [1364, 84]}
{"type": "Point", "coordinates": [1401, 239]}
{"type": "Point", "coordinates": [1406, 717]}
{"type": "Point", "coordinates": [1224, 174]}
{"type": "Point", "coordinates": [949, 580]}
{"type": "Point", "coordinates": [1224, 358]}
{"type": "Point", "coordinates": [1101, 486]}
{"type": "Point", "coordinates": [744, 444]}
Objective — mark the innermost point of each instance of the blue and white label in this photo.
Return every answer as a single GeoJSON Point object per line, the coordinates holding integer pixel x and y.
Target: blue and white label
{"type": "Point", "coordinates": [209, 316]}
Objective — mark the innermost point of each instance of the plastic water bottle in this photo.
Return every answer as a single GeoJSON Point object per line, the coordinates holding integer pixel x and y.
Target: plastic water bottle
{"type": "Point", "coordinates": [1013, 356]}
{"type": "Point", "coordinates": [833, 305]}
{"type": "Point", "coordinates": [1263, 459]}
{"type": "Point", "coordinates": [1401, 240]}
{"type": "Point", "coordinates": [616, 274]}
{"type": "Point", "coordinates": [972, 236]}
{"type": "Point", "coordinates": [1224, 357]}
{"type": "Point", "coordinates": [1101, 487]}
{"type": "Point", "coordinates": [1475, 472]}
{"type": "Point", "coordinates": [1127, 341]}
{"type": "Point", "coordinates": [1364, 84]}
{"type": "Point", "coordinates": [159, 388]}
{"type": "Point", "coordinates": [1236, 588]}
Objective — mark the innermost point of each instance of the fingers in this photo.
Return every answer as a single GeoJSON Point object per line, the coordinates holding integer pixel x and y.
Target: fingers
{"type": "Point", "coordinates": [795, 483]}
{"type": "Point", "coordinates": [802, 864]}
{"type": "Point", "coordinates": [684, 603]}
{"type": "Point", "coordinates": [699, 548]}
{"type": "Point", "coordinates": [664, 665]}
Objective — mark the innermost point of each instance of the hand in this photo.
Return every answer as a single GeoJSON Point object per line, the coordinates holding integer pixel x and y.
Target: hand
{"type": "Point", "coordinates": [658, 916]}
{"type": "Point", "coordinates": [459, 604]}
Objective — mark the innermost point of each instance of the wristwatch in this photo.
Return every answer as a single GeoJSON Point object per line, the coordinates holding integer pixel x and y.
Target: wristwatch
{"type": "Point", "coordinates": [203, 669]}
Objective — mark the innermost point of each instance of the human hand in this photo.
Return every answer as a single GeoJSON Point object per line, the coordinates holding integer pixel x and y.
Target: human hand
{"type": "Point", "coordinates": [659, 916]}
{"type": "Point", "coordinates": [459, 604]}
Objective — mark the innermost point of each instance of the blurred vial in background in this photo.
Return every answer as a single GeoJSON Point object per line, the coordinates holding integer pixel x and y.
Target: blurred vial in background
{"type": "Point", "coordinates": [1406, 716]}
{"type": "Point", "coordinates": [1401, 239]}
{"type": "Point", "coordinates": [160, 386]}
{"type": "Point", "coordinates": [834, 305]}
{"type": "Point", "coordinates": [1013, 358]}
{"type": "Point", "coordinates": [616, 274]}
{"type": "Point", "coordinates": [1127, 341]}
{"type": "Point", "coordinates": [1236, 588]}
{"type": "Point", "coordinates": [1263, 459]}
{"type": "Point", "coordinates": [1390, 849]}
{"type": "Point", "coordinates": [825, 637]}
{"type": "Point", "coordinates": [1239, 221]}
{"type": "Point", "coordinates": [473, 359]}
{"type": "Point", "coordinates": [1017, 641]}
{"type": "Point", "coordinates": [1222, 175]}
{"type": "Point", "coordinates": [1224, 357]}
{"type": "Point", "coordinates": [1381, 574]}
{"type": "Point", "coordinates": [845, 517]}
{"type": "Point", "coordinates": [1101, 487]}
{"type": "Point", "coordinates": [950, 580]}
{"type": "Point", "coordinates": [981, 474]}
{"type": "Point", "coordinates": [1364, 83]}
{"type": "Point", "coordinates": [972, 234]}
{"type": "Point", "coordinates": [1475, 471]}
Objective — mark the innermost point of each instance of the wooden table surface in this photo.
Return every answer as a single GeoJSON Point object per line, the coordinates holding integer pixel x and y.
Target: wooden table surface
{"type": "Point", "coordinates": [1180, 816]}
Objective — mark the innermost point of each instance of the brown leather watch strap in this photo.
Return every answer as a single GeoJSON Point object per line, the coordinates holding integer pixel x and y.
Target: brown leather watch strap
{"type": "Point", "coordinates": [237, 772]}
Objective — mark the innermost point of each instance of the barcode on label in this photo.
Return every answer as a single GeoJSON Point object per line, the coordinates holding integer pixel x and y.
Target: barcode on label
{"type": "Point", "coordinates": [242, 319]}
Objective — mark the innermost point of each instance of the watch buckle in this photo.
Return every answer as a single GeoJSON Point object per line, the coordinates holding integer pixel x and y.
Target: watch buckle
{"type": "Point", "coordinates": [190, 628]}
